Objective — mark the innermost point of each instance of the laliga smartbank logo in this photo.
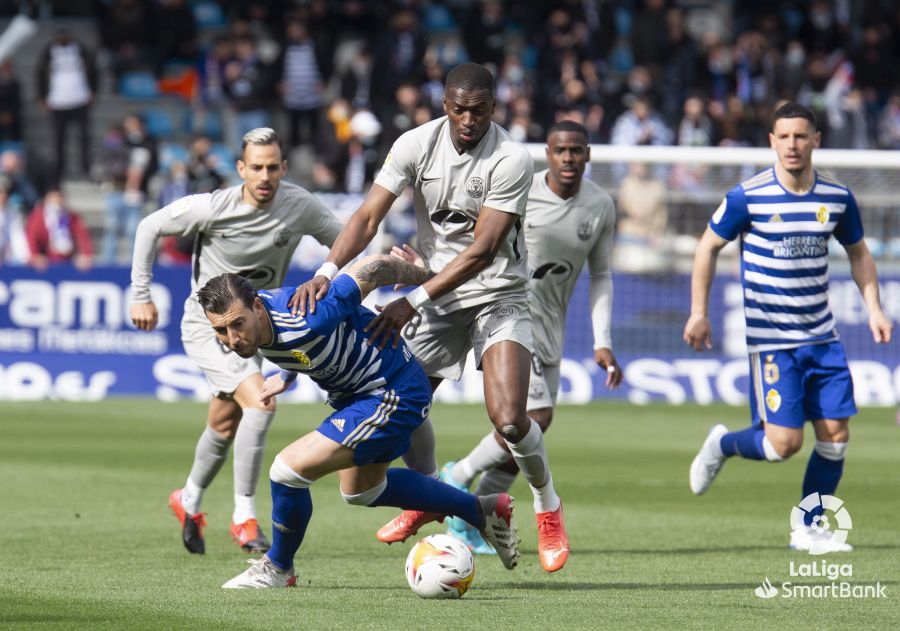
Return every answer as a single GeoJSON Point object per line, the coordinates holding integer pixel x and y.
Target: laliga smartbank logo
{"type": "Point", "coordinates": [812, 529]}
{"type": "Point", "coordinates": [820, 524]}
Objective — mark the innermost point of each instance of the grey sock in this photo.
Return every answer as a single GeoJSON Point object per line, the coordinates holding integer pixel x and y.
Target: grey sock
{"type": "Point", "coordinates": [209, 456]}
{"type": "Point", "coordinates": [249, 449]}
{"type": "Point", "coordinates": [495, 481]}
{"type": "Point", "coordinates": [420, 455]}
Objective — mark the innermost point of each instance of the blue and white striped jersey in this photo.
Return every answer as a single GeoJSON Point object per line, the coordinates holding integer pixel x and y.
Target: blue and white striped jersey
{"type": "Point", "coordinates": [329, 345]}
{"type": "Point", "coordinates": [784, 255]}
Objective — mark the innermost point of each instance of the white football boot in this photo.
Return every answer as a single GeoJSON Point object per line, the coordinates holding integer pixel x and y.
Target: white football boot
{"type": "Point", "coordinates": [498, 529]}
{"type": "Point", "coordinates": [708, 461]}
{"type": "Point", "coordinates": [262, 574]}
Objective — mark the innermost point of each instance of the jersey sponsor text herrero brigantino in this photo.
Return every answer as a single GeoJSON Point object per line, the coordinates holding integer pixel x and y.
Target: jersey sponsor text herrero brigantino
{"type": "Point", "coordinates": [784, 255]}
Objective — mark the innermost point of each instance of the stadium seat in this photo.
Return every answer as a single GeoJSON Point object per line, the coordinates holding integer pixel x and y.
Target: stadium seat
{"type": "Point", "coordinates": [159, 122]}
{"type": "Point", "coordinates": [138, 86]}
{"type": "Point", "coordinates": [208, 14]}
{"type": "Point", "coordinates": [204, 122]}
{"type": "Point", "coordinates": [171, 152]}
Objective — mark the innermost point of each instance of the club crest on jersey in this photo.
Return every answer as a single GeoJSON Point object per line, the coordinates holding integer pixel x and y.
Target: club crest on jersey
{"type": "Point", "coordinates": [773, 400]}
{"type": "Point", "coordinates": [585, 229]}
{"type": "Point", "coordinates": [822, 214]}
{"type": "Point", "coordinates": [301, 357]}
{"type": "Point", "coordinates": [282, 237]}
{"type": "Point", "coordinates": [475, 187]}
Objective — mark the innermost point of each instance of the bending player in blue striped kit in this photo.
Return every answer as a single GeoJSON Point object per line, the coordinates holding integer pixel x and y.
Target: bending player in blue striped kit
{"type": "Point", "coordinates": [380, 397]}
{"type": "Point", "coordinates": [798, 371]}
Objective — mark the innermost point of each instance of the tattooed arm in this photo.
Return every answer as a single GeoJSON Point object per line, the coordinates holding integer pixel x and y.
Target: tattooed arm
{"type": "Point", "coordinates": [380, 269]}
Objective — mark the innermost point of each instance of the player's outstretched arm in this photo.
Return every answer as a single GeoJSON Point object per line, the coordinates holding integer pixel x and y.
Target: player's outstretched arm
{"type": "Point", "coordinates": [353, 239]}
{"type": "Point", "coordinates": [377, 270]}
{"type": "Point", "coordinates": [697, 330]}
{"type": "Point", "coordinates": [862, 267]}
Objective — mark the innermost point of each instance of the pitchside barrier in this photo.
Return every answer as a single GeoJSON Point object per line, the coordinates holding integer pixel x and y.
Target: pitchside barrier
{"type": "Point", "coordinates": [67, 335]}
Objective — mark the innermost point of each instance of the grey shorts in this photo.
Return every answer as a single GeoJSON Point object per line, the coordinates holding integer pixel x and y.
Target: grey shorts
{"type": "Point", "coordinates": [441, 342]}
{"type": "Point", "coordinates": [223, 369]}
{"type": "Point", "coordinates": [543, 386]}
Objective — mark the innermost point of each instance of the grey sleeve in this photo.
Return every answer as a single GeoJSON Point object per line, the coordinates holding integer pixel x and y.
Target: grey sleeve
{"type": "Point", "coordinates": [601, 285]}
{"type": "Point", "coordinates": [184, 217]}
{"type": "Point", "coordinates": [324, 226]}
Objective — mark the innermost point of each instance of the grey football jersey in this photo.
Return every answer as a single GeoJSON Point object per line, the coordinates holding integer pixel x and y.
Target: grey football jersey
{"type": "Point", "coordinates": [561, 234]}
{"type": "Point", "coordinates": [449, 192]}
{"type": "Point", "coordinates": [232, 236]}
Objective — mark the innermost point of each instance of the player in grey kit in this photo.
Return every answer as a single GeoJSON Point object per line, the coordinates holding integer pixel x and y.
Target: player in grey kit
{"type": "Point", "coordinates": [470, 181]}
{"type": "Point", "coordinates": [252, 230]}
{"type": "Point", "coordinates": [568, 221]}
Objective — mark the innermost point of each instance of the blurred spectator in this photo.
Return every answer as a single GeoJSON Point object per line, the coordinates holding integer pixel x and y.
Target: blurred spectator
{"type": "Point", "coordinates": [10, 104]}
{"type": "Point", "coordinates": [13, 242]}
{"type": "Point", "coordinates": [175, 250]}
{"type": "Point", "coordinates": [679, 73]}
{"type": "Point", "coordinates": [889, 124]}
{"type": "Point", "coordinates": [642, 222]}
{"type": "Point", "coordinates": [128, 30]}
{"type": "Point", "coordinates": [400, 51]}
{"type": "Point", "coordinates": [176, 36]}
{"type": "Point", "coordinates": [356, 80]}
{"type": "Point", "coordinates": [820, 32]}
{"type": "Point", "coordinates": [56, 234]}
{"type": "Point", "coordinates": [212, 71]}
{"type": "Point", "coordinates": [695, 128]}
{"type": "Point", "coordinates": [734, 123]}
{"type": "Point", "coordinates": [301, 84]}
{"type": "Point", "coordinates": [640, 125]}
{"type": "Point", "coordinates": [248, 87]}
{"type": "Point", "coordinates": [203, 168]}
{"type": "Point", "coordinates": [433, 88]}
{"type": "Point", "coordinates": [129, 159]}
{"type": "Point", "coordinates": [401, 116]}
{"type": "Point", "coordinates": [522, 125]}
{"type": "Point", "coordinates": [12, 165]}
{"type": "Point", "coordinates": [485, 33]}
{"type": "Point", "coordinates": [67, 81]}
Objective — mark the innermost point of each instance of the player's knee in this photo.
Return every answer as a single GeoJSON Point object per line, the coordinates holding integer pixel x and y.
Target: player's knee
{"type": "Point", "coordinates": [510, 433]}
{"type": "Point", "coordinates": [367, 497]}
{"type": "Point", "coordinates": [281, 473]}
{"type": "Point", "coordinates": [787, 447]}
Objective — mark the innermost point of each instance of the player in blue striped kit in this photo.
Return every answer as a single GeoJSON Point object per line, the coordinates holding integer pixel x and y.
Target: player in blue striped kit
{"type": "Point", "coordinates": [380, 397]}
{"type": "Point", "coordinates": [784, 217]}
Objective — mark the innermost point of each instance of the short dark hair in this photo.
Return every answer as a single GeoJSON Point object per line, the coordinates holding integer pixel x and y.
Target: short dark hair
{"type": "Point", "coordinates": [219, 292]}
{"type": "Point", "coordinates": [794, 110]}
{"type": "Point", "coordinates": [568, 125]}
{"type": "Point", "coordinates": [470, 77]}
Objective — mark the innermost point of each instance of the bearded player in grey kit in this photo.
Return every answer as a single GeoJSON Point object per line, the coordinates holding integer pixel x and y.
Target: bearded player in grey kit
{"type": "Point", "coordinates": [251, 230]}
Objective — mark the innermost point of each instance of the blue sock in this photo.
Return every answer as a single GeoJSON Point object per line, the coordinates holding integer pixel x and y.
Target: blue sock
{"type": "Point", "coordinates": [746, 443]}
{"type": "Point", "coordinates": [291, 511]}
{"type": "Point", "coordinates": [411, 490]}
{"type": "Point", "coordinates": [822, 475]}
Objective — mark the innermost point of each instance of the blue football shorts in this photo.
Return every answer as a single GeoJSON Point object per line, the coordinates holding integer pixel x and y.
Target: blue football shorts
{"type": "Point", "coordinates": [377, 425]}
{"type": "Point", "coordinates": [791, 386]}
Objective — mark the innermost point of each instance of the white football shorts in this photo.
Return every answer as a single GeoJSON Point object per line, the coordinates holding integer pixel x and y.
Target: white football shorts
{"type": "Point", "coordinates": [441, 341]}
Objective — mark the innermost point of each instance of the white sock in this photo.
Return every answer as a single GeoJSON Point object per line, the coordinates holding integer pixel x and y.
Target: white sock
{"type": "Point", "coordinates": [532, 459]}
{"type": "Point", "coordinates": [769, 450]}
{"type": "Point", "coordinates": [486, 455]}
{"type": "Point", "coordinates": [244, 508]}
{"type": "Point", "coordinates": [191, 495]}
{"type": "Point", "coordinates": [495, 481]}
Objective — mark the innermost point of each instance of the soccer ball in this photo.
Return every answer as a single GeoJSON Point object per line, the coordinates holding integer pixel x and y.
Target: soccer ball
{"type": "Point", "coordinates": [440, 566]}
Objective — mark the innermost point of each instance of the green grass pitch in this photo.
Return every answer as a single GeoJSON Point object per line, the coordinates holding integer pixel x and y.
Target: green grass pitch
{"type": "Point", "coordinates": [89, 543]}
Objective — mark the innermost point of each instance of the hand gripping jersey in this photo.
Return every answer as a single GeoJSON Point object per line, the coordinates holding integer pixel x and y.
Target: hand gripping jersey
{"type": "Point", "coordinates": [784, 255]}
{"type": "Point", "coordinates": [330, 346]}
{"type": "Point", "coordinates": [449, 191]}
{"type": "Point", "coordinates": [560, 235]}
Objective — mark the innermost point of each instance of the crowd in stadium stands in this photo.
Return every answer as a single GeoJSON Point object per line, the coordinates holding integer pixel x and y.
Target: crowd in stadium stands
{"type": "Point", "coordinates": [342, 79]}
